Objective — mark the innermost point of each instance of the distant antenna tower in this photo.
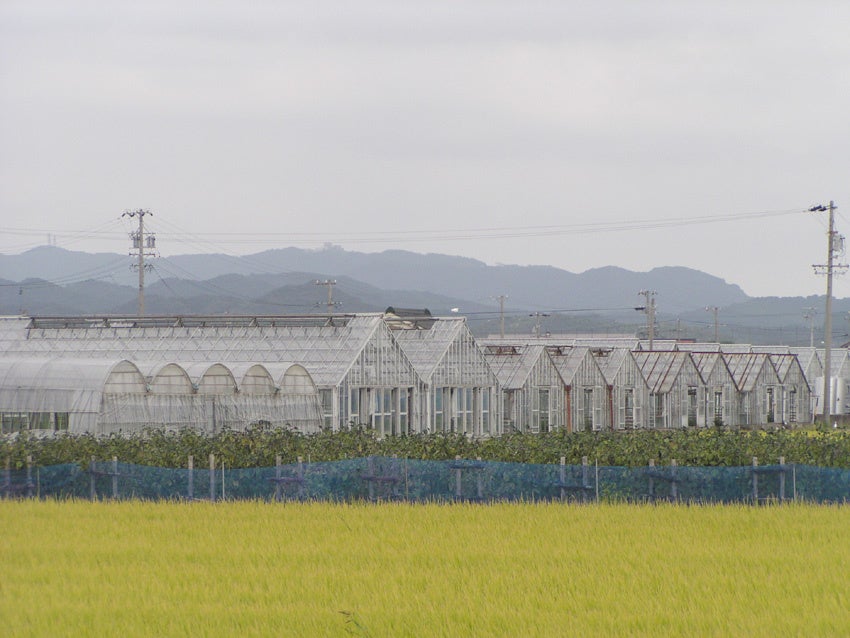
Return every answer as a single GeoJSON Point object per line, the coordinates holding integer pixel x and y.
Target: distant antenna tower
{"type": "Point", "coordinates": [141, 246]}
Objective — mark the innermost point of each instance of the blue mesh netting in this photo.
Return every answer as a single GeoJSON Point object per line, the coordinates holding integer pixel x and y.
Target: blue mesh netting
{"type": "Point", "coordinates": [382, 479]}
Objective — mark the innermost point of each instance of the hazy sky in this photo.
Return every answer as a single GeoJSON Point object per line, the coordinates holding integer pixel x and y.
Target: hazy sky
{"type": "Point", "coordinates": [576, 134]}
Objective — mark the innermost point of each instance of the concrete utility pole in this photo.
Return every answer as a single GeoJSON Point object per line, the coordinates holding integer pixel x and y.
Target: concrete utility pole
{"type": "Point", "coordinates": [141, 244]}
{"type": "Point", "coordinates": [649, 309]}
{"type": "Point", "coordinates": [835, 244]}
{"type": "Point", "coordinates": [809, 315]}
{"type": "Point", "coordinates": [330, 283]}
{"type": "Point", "coordinates": [501, 299]}
{"type": "Point", "coordinates": [538, 315]}
{"type": "Point", "coordinates": [714, 309]}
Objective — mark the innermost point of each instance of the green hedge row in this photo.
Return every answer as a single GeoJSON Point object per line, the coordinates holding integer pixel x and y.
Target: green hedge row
{"type": "Point", "coordinates": [258, 447]}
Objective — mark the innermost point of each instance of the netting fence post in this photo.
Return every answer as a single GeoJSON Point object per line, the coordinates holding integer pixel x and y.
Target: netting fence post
{"type": "Point", "coordinates": [7, 485]}
{"type": "Point", "coordinates": [563, 477]}
{"type": "Point", "coordinates": [92, 493]}
{"type": "Point", "coordinates": [458, 483]}
{"type": "Point", "coordinates": [781, 479]}
{"type": "Point", "coordinates": [585, 478]}
{"type": "Point", "coordinates": [674, 482]}
{"type": "Point", "coordinates": [29, 476]}
{"type": "Point", "coordinates": [755, 481]}
{"type": "Point", "coordinates": [371, 468]}
{"type": "Point", "coordinates": [115, 477]}
{"type": "Point", "coordinates": [480, 482]}
{"type": "Point", "coordinates": [190, 491]}
{"type": "Point", "coordinates": [794, 479]}
{"type": "Point", "coordinates": [212, 478]}
{"type": "Point", "coordinates": [300, 478]}
{"type": "Point", "coordinates": [596, 478]}
{"type": "Point", "coordinates": [277, 478]}
{"type": "Point", "coordinates": [651, 480]}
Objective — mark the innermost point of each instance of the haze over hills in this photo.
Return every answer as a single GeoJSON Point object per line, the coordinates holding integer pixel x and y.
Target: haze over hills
{"type": "Point", "coordinates": [55, 281]}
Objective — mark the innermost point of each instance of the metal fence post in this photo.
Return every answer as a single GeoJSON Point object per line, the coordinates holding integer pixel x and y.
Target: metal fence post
{"type": "Point", "coordinates": [191, 487]}
{"type": "Point", "coordinates": [277, 478]}
{"type": "Point", "coordinates": [480, 482]}
{"type": "Point", "coordinates": [115, 477]}
{"type": "Point", "coordinates": [563, 477]}
{"type": "Point", "coordinates": [371, 469]}
{"type": "Point", "coordinates": [212, 477]}
{"type": "Point", "coordinates": [8, 477]}
{"type": "Point", "coordinates": [674, 483]}
{"type": "Point", "coordinates": [585, 480]}
{"type": "Point", "coordinates": [781, 479]}
{"type": "Point", "coordinates": [92, 494]}
{"type": "Point", "coordinates": [755, 481]}
{"type": "Point", "coordinates": [300, 478]}
{"type": "Point", "coordinates": [651, 480]}
{"type": "Point", "coordinates": [458, 486]}
{"type": "Point", "coordinates": [596, 478]}
{"type": "Point", "coordinates": [29, 476]}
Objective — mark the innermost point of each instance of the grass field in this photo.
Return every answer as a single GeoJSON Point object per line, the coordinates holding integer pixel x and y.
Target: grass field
{"type": "Point", "coordinates": [258, 569]}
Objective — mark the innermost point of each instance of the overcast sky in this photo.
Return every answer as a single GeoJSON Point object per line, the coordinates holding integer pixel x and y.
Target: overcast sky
{"type": "Point", "coordinates": [576, 134]}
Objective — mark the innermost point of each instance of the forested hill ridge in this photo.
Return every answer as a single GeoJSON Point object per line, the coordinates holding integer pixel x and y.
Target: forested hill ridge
{"type": "Point", "coordinates": [528, 287]}
{"type": "Point", "coordinates": [55, 281]}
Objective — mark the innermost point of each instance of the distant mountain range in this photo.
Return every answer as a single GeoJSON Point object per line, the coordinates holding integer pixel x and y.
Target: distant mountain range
{"type": "Point", "coordinates": [55, 281]}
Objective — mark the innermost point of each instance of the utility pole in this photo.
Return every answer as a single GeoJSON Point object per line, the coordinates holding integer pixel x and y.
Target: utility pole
{"type": "Point", "coordinates": [649, 309]}
{"type": "Point", "coordinates": [501, 299]}
{"type": "Point", "coordinates": [809, 315]}
{"type": "Point", "coordinates": [835, 244]}
{"type": "Point", "coordinates": [714, 309]}
{"type": "Point", "coordinates": [330, 283]}
{"type": "Point", "coordinates": [141, 244]}
{"type": "Point", "coordinates": [538, 315]}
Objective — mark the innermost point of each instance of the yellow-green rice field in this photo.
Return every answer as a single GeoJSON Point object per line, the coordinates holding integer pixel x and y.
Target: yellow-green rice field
{"type": "Point", "coordinates": [259, 569]}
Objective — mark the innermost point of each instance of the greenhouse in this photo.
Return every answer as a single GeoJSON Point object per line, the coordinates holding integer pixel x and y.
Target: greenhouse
{"type": "Point", "coordinates": [721, 391]}
{"type": "Point", "coordinates": [811, 364]}
{"type": "Point", "coordinates": [102, 396]}
{"type": "Point", "coordinates": [628, 392]}
{"type": "Point", "coordinates": [532, 389]}
{"type": "Point", "coordinates": [839, 365]}
{"type": "Point", "coordinates": [459, 391]}
{"type": "Point", "coordinates": [795, 394]}
{"type": "Point", "coordinates": [758, 386]}
{"type": "Point", "coordinates": [676, 389]}
{"type": "Point", "coordinates": [585, 387]}
{"type": "Point", "coordinates": [361, 372]}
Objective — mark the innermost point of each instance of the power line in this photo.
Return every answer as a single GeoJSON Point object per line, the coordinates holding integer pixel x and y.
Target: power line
{"type": "Point", "coordinates": [458, 234]}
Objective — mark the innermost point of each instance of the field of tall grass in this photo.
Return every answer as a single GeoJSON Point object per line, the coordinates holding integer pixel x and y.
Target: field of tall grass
{"type": "Point", "coordinates": [260, 569]}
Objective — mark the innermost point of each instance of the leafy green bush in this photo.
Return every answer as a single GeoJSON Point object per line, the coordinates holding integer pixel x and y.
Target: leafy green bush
{"type": "Point", "coordinates": [259, 446]}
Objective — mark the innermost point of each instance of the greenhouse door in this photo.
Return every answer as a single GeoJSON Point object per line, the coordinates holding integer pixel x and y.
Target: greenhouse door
{"type": "Point", "coordinates": [629, 406]}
